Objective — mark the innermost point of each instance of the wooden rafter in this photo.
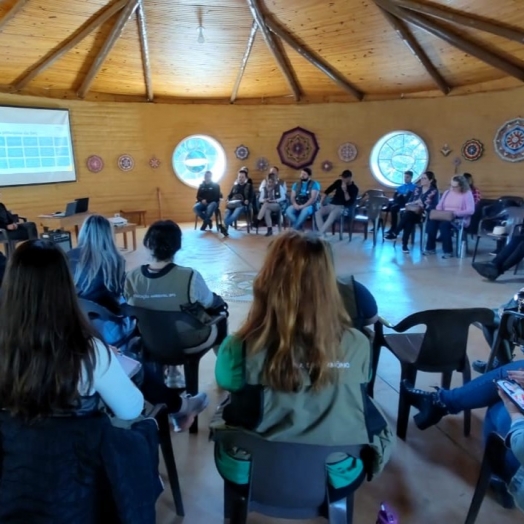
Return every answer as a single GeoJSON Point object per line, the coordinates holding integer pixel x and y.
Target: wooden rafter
{"type": "Point", "coordinates": [457, 17]}
{"type": "Point", "coordinates": [245, 58]}
{"type": "Point", "coordinates": [314, 59]}
{"type": "Point", "coordinates": [405, 34]}
{"type": "Point", "coordinates": [274, 48]}
{"type": "Point", "coordinates": [12, 13]}
{"type": "Point", "coordinates": [67, 45]}
{"type": "Point", "coordinates": [125, 15]}
{"type": "Point", "coordinates": [144, 49]}
{"type": "Point", "coordinates": [469, 47]}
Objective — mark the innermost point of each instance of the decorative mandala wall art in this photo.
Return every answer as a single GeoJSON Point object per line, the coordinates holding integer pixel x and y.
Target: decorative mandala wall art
{"type": "Point", "coordinates": [242, 152]}
{"type": "Point", "coordinates": [126, 162]}
{"type": "Point", "coordinates": [94, 163]}
{"type": "Point", "coordinates": [297, 148]}
{"type": "Point", "coordinates": [472, 149]}
{"type": "Point", "coordinates": [509, 140]}
{"type": "Point", "coordinates": [445, 150]}
{"type": "Point", "coordinates": [347, 152]}
{"type": "Point", "coordinates": [154, 162]}
{"type": "Point", "coordinates": [327, 166]}
{"type": "Point", "coordinates": [262, 164]}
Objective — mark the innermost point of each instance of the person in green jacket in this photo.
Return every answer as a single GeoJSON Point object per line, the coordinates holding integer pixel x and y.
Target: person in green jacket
{"type": "Point", "coordinates": [296, 370]}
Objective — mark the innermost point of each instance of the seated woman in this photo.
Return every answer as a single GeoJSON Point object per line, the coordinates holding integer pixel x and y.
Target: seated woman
{"type": "Point", "coordinates": [272, 197]}
{"type": "Point", "coordinates": [297, 348]}
{"type": "Point", "coordinates": [458, 200]}
{"type": "Point", "coordinates": [480, 393]}
{"type": "Point", "coordinates": [97, 266]}
{"type": "Point", "coordinates": [422, 201]}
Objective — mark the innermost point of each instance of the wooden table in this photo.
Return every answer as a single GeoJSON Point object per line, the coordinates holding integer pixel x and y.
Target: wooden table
{"type": "Point", "coordinates": [72, 222]}
{"type": "Point", "coordinates": [128, 228]}
{"type": "Point", "coordinates": [138, 216]}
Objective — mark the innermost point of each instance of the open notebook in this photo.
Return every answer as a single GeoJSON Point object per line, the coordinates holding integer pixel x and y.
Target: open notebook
{"type": "Point", "coordinates": [130, 365]}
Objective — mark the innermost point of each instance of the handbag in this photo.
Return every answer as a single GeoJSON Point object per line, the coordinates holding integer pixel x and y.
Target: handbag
{"type": "Point", "coordinates": [441, 215]}
{"type": "Point", "coordinates": [236, 202]}
{"type": "Point", "coordinates": [414, 208]}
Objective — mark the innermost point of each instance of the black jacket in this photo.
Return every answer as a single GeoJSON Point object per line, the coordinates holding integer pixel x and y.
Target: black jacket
{"type": "Point", "coordinates": [80, 470]}
{"type": "Point", "coordinates": [246, 191]}
{"type": "Point", "coordinates": [6, 218]}
{"type": "Point", "coordinates": [338, 198]}
{"type": "Point", "coordinates": [209, 192]}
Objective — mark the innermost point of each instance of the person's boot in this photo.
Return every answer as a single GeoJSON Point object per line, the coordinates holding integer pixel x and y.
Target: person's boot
{"type": "Point", "coordinates": [500, 490]}
{"type": "Point", "coordinates": [487, 270]}
{"type": "Point", "coordinates": [223, 230]}
{"type": "Point", "coordinates": [203, 226]}
{"type": "Point", "coordinates": [431, 409]}
{"type": "Point", "coordinates": [269, 232]}
{"type": "Point", "coordinates": [210, 223]}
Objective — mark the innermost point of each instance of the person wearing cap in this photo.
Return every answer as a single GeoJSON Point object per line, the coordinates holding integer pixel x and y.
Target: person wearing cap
{"type": "Point", "coordinates": [304, 198]}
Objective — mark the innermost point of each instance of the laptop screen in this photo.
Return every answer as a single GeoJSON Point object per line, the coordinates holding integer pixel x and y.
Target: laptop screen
{"type": "Point", "coordinates": [82, 205]}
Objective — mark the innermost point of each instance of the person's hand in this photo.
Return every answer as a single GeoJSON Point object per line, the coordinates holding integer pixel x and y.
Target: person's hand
{"type": "Point", "coordinates": [296, 206]}
{"type": "Point", "coordinates": [12, 227]}
{"type": "Point", "coordinates": [246, 202]}
{"type": "Point", "coordinates": [115, 350]}
{"type": "Point", "coordinates": [517, 375]}
{"type": "Point", "coordinates": [512, 409]}
{"type": "Point", "coordinates": [204, 201]}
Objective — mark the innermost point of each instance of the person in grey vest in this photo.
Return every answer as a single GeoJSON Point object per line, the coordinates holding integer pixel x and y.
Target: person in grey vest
{"type": "Point", "coordinates": [272, 195]}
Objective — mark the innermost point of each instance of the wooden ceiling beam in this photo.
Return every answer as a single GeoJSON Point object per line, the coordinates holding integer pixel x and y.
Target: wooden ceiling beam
{"type": "Point", "coordinates": [275, 49]}
{"type": "Point", "coordinates": [12, 13]}
{"type": "Point", "coordinates": [144, 49]}
{"type": "Point", "coordinates": [245, 58]}
{"type": "Point", "coordinates": [406, 36]}
{"type": "Point", "coordinates": [114, 35]}
{"type": "Point", "coordinates": [67, 45]}
{"type": "Point", "coordinates": [457, 17]}
{"type": "Point", "coordinates": [314, 59]}
{"type": "Point", "coordinates": [469, 47]}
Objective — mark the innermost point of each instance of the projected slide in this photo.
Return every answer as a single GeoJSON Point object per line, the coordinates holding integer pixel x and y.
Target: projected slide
{"type": "Point", "coordinates": [35, 146]}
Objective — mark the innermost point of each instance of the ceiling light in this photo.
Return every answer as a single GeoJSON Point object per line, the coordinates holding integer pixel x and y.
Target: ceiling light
{"type": "Point", "coordinates": [201, 39]}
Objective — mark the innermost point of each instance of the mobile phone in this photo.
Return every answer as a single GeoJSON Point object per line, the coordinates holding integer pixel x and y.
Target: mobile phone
{"type": "Point", "coordinates": [513, 390]}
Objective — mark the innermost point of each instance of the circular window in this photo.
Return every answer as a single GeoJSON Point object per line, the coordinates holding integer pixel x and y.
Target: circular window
{"type": "Point", "coordinates": [396, 153]}
{"type": "Point", "coordinates": [195, 155]}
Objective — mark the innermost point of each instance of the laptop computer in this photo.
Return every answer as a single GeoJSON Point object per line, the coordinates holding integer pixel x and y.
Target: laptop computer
{"type": "Point", "coordinates": [70, 210]}
{"type": "Point", "coordinates": [82, 205]}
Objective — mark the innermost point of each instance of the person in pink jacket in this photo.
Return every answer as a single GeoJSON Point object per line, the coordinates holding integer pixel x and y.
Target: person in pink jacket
{"type": "Point", "coordinates": [459, 200]}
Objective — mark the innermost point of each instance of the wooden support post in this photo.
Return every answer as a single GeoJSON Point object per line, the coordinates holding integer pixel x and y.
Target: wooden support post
{"type": "Point", "coordinates": [314, 59]}
{"type": "Point", "coordinates": [406, 36]}
{"type": "Point", "coordinates": [67, 45]}
{"type": "Point", "coordinates": [144, 49]}
{"type": "Point", "coordinates": [274, 48]}
{"type": "Point", "coordinates": [12, 13]}
{"type": "Point", "coordinates": [457, 17]}
{"type": "Point", "coordinates": [113, 36]}
{"type": "Point", "coordinates": [245, 58]}
{"type": "Point", "coordinates": [469, 47]}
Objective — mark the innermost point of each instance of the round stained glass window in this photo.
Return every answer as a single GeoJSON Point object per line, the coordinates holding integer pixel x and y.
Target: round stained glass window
{"type": "Point", "coordinates": [195, 155]}
{"type": "Point", "coordinates": [396, 153]}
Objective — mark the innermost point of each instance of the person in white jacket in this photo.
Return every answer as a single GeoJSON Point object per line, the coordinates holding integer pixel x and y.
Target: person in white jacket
{"type": "Point", "coordinates": [272, 196]}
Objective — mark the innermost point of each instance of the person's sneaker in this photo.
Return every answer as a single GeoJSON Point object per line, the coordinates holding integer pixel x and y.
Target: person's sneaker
{"type": "Point", "coordinates": [480, 365]}
{"type": "Point", "coordinates": [431, 409]}
{"type": "Point", "coordinates": [428, 252]}
{"type": "Point", "coordinates": [203, 226]}
{"type": "Point", "coordinates": [175, 378]}
{"type": "Point", "coordinates": [390, 236]}
{"type": "Point", "coordinates": [447, 255]}
{"type": "Point", "coordinates": [487, 270]}
{"type": "Point", "coordinates": [269, 232]}
{"type": "Point", "coordinates": [500, 490]}
{"type": "Point", "coordinates": [191, 408]}
{"type": "Point", "coordinates": [405, 249]}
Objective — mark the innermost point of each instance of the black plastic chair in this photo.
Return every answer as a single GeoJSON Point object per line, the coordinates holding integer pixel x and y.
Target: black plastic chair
{"type": "Point", "coordinates": [218, 219]}
{"type": "Point", "coordinates": [441, 349]}
{"type": "Point", "coordinates": [510, 333]}
{"type": "Point", "coordinates": [286, 480]}
{"type": "Point", "coordinates": [166, 335]}
{"type": "Point", "coordinates": [374, 207]}
{"type": "Point", "coordinates": [492, 464]}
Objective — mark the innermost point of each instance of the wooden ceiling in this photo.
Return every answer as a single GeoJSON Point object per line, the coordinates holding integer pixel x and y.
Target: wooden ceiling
{"type": "Point", "coordinates": [140, 50]}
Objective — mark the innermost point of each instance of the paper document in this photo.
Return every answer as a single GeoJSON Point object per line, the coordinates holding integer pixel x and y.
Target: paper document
{"type": "Point", "coordinates": [130, 365]}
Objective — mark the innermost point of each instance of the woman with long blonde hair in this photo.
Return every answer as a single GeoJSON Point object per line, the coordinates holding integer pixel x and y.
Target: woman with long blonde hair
{"type": "Point", "coordinates": [296, 370]}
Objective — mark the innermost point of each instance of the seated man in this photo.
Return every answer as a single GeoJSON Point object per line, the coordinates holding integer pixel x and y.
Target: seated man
{"type": "Point", "coordinates": [272, 194]}
{"type": "Point", "coordinates": [16, 230]}
{"type": "Point", "coordinates": [401, 196]}
{"type": "Point", "coordinates": [208, 198]}
{"type": "Point", "coordinates": [510, 255]}
{"type": "Point", "coordinates": [345, 196]}
{"type": "Point", "coordinates": [304, 197]}
{"type": "Point", "coordinates": [239, 198]}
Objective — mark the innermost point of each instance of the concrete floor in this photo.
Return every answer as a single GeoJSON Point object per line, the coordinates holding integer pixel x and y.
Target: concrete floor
{"type": "Point", "coordinates": [432, 475]}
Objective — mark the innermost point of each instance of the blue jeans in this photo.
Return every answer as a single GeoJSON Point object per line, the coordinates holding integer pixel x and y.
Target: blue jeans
{"type": "Point", "coordinates": [446, 228]}
{"type": "Point", "coordinates": [297, 218]}
{"type": "Point", "coordinates": [205, 211]}
{"type": "Point", "coordinates": [479, 393]}
{"type": "Point", "coordinates": [232, 215]}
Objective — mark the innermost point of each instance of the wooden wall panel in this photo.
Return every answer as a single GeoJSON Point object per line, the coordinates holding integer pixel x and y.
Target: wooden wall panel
{"type": "Point", "coordinates": [143, 130]}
